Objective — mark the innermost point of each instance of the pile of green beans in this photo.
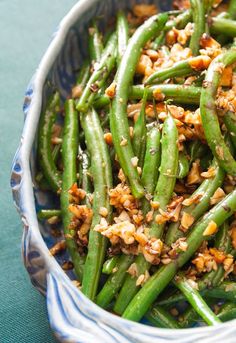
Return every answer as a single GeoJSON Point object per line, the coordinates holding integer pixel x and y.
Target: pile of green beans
{"type": "Point", "coordinates": [144, 167]}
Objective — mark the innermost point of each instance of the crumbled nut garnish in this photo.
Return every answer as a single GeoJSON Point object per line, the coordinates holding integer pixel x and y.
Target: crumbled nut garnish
{"type": "Point", "coordinates": [210, 229]}
{"type": "Point", "coordinates": [181, 4]}
{"type": "Point", "coordinates": [166, 260]}
{"type": "Point", "coordinates": [210, 173]}
{"type": "Point", "coordinates": [114, 270]}
{"type": "Point", "coordinates": [53, 220]}
{"type": "Point", "coordinates": [194, 174]}
{"type": "Point", "coordinates": [220, 152]}
{"type": "Point", "coordinates": [133, 270]}
{"type": "Point", "coordinates": [67, 265]}
{"type": "Point", "coordinates": [139, 170]}
{"type": "Point", "coordinates": [162, 218]}
{"type": "Point", "coordinates": [153, 54]}
{"type": "Point", "coordinates": [186, 221]}
{"type": "Point", "coordinates": [56, 140]}
{"type": "Point", "coordinates": [103, 211]}
{"type": "Point", "coordinates": [108, 138]}
{"type": "Point", "coordinates": [111, 90]}
{"type": "Point", "coordinates": [142, 278]}
{"type": "Point", "coordinates": [226, 77]}
{"type": "Point", "coordinates": [131, 131]}
{"type": "Point", "coordinates": [192, 284]}
{"type": "Point", "coordinates": [144, 11]}
{"type": "Point", "coordinates": [228, 264]}
{"type": "Point", "coordinates": [174, 312]}
{"type": "Point", "coordinates": [149, 216]}
{"type": "Point", "coordinates": [121, 176]}
{"type": "Point", "coordinates": [125, 230]}
{"type": "Point", "coordinates": [154, 204]}
{"type": "Point", "coordinates": [76, 91]}
{"type": "Point", "coordinates": [200, 62]}
{"type": "Point", "coordinates": [76, 194]}
{"type": "Point", "coordinates": [134, 161]}
{"type": "Point", "coordinates": [58, 247]}
{"type": "Point", "coordinates": [158, 95]}
{"type": "Point", "coordinates": [218, 255]}
{"type": "Point", "coordinates": [194, 199]}
{"type": "Point", "coordinates": [121, 197]}
{"type": "Point", "coordinates": [144, 65]}
{"type": "Point", "coordinates": [123, 142]}
{"type": "Point", "coordinates": [233, 235]}
{"type": "Point", "coordinates": [217, 196]}
{"type": "Point", "coordinates": [76, 283]}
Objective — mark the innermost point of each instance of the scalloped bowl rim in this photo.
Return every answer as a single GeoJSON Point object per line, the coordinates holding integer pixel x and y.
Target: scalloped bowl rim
{"type": "Point", "coordinates": [26, 191]}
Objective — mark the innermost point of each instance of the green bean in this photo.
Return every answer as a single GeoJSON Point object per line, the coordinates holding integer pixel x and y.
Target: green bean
{"type": "Point", "coordinates": [123, 35]}
{"type": "Point", "coordinates": [161, 318]}
{"type": "Point", "coordinates": [223, 26]}
{"type": "Point", "coordinates": [84, 177]}
{"type": "Point", "coordinates": [118, 117]}
{"type": "Point", "coordinates": [161, 278]}
{"type": "Point", "coordinates": [99, 75]}
{"type": "Point", "coordinates": [182, 68]}
{"type": "Point", "coordinates": [151, 163]}
{"type": "Point", "coordinates": [168, 171]}
{"type": "Point", "coordinates": [206, 190]}
{"type": "Point", "coordinates": [46, 214]}
{"type": "Point", "coordinates": [109, 265]}
{"type": "Point", "coordinates": [188, 317]}
{"type": "Point", "coordinates": [163, 192]}
{"type": "Point", "coordinates": [232, 9]}
{"type": "Point", "coordinates": [197, 302]}
{"type": "Point", "coordinates": [47, 164]}
{"type": "Point", "coordinates": [102, 180]}
{"type": "Point", "coordinates": [95, 44]}
{"type": "Point", "coordinates": [178, 93]}
{"type": "Point", "coordinates": [114, 281]}
{"type": "Point", "coordinates": [69, 156]}
{"type": "Point", "coordinates": [140, 133]}
{"type": "Point", "coordinates": [209, 115]}
{"type": "Point", "coordinates": [226, 290]}
{"type": "Point", "coordinates": [55, 154]}
{"type": "Point", "coordinates": [199, 25]}
{"type": "Point", "coordinates": [227, 312]}
{"type": "Point", "coordinates": [183, 165]}
{"type": "Point", "coordinates": [129, 288]}
{"type": "Point", "coordinates": [230, 122]}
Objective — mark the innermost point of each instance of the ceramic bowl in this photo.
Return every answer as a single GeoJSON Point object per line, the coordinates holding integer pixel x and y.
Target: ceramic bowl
{"type": "Point", "coordinates": [72, 316]}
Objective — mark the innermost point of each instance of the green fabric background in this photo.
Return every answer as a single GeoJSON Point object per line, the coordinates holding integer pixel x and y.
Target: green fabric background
{"type": "Point", "coordinates": [26, 27]}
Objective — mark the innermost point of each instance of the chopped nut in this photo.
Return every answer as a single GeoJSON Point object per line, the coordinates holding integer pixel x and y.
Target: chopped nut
{"type": "Point", "coordinates": [200, 62]}
{"type": "Point", "coordinates": [210, 229]}
{"type": "Point", "coordinates": [53, 220]}
{"type": "Point", "coordinates": [76, 91]}
{"type": "Point", "coordinates": [133, 270]}
{"type": "Point", "coordinates": [233, 236]}
{"type": "Point", "coordinates": [194, 199]}
{"type": "Point", "coordinates": [108, 138]}
{"type": "Point", "coordinates": [142, 279]}
{"type": "Point", "coordinates": [58, 247]}
{"type": "Point", "coordinates": [154, 204]}
{"type": "Point", "coordinates": [144, 63]}
{"type": "Point", "coordinates": [149, 216]}
{"type": "Point", "coordinates": [67, 265]}
{"type": "Point", "coordinates": [194, 174]}
{"type": "Point", "coordinates": [228, 263]}
{"type": "Point", "coordinates": [211, 172]}
{"type": "Point", "coordinates": [111, 90]}
{"type": "Point", "coordinates": [186, 221]}
{"type": "Point", "coordinates": [217, 196]}
{"type": "Point", "coordinates": [144, 10]}
{"type": "Point", "coordinates": [220, 152]}
{"type": "Point", "coordinates": [103, 211]}
{"type": "Point", "coordinates": [123, 142]}
{"type": "Point", "coordinates": [192, 284]}
{"type": "Point", "coordinates": [134, 161]}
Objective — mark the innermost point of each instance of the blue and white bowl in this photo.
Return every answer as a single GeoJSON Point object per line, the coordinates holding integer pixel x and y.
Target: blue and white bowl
{"type": "Point", "coordinates": [73, 317]}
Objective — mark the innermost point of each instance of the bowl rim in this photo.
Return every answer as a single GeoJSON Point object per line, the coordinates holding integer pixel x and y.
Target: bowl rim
{"type": "Point", "coordinates": [27, 207]}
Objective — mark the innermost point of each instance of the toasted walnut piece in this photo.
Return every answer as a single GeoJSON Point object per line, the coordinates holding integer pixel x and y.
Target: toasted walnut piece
{"type": "Point", "coordinates": [233, 236]}
{"type": "Point", "coordinates": [58, 247]}
{"type": "Point", "coordinates": [186, 221]}
{"type": "Point", "coordinates": [153, 54]}
{"type": "Point", "coordinates": [217, 196]}
{"type": "Point", "coordinates": [76, 91]}
{"type": "Point", "coordinates": [207, 41]}
{"type": "Point", "coordinates": [133, 270]}
{"type": "Point", "coordinates": [134, 161]}
{"type": "Point", "coordinates": [108, 138]}
{"type": "Point", "coordinates": [124, 216]}
{"type": "Point", "coordinates": [156, 246]}
{"type": "Point", "coordinates": [166, 260]}
{"type": "Point", "coordinates": [219, 255]}
{"type": "Point", "coordinates": [134, 109]}
{"type": "Point", "coordinates": [194, 174]}
{"type": "Point", "coordinates": [76, 283]}
{"type": "Point", "coordinates": [158, 95]}
{"type": "Point", "coordinates": [121, 176]}
{"type": "Point", "coordinates": [103, 211]}
{"type": "Point", "coordinates": [210, 229]}
{"type": "Point", "coordinates": [141, 238]}
{"type": "Point", "coordinates": [162, 218]}
{"type": "Point", "coordinates": [210, 173]}
{"type": "Point", "coordinates": [131, 131]}
{"type": "Point", "coordinates": [143, 64]}
{"type": "Point", "coordinates": [53, 220]}
{"type": "Point", "coordinates": [226, 77]}
{"type": "Point", "coordinates": [67, 265]}
{"type": "Point", "coordinates": [123, 142]}
{"type": "Point", "coordinates": [200, 62]}
{"type": "Point", "coordinates": [194, 199]}
{"type": "Point", "coordinates": [142, 279]}
{"type": "Point", "coordinates": [228, 263]}
{"type": "Point", "coordinates": [111, 90]}
{"type": "Point", "coordinates": [144, 10]}
{"type": "Point", "coordinates": [192, 284]}
{"type": "Point", "coordinates": [154, 204]}
{"type": "Point", "coordinates": [199, 262]}
{"type": "Point", "coordinates": [171, 37]}
{"type": "Point", "coordinates": [149, 216]}
{"type": "Point", "coordinates": [181, 4]}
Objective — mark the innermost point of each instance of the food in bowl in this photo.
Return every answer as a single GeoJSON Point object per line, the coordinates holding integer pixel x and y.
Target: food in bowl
{"type": "Point", "coordinates": [141, 161]}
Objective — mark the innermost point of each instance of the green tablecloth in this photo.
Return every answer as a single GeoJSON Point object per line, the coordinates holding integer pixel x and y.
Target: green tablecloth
{"type": "Point", "coordinates": [26, 27]}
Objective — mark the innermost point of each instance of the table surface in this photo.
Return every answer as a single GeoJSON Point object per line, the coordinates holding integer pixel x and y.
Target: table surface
{"type": "Point", "coordinates": [26, 28]}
